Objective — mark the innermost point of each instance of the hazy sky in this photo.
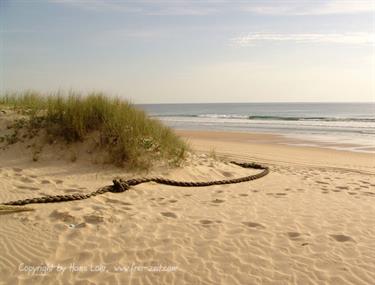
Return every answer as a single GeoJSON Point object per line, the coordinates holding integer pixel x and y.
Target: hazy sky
{"type": "Point", "coordinates": [192, 51]}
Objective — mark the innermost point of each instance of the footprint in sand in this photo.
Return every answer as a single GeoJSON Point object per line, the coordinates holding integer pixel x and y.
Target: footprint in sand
{"type": "Point", "coordinates": [26, 180]}
{"type": "Point", "coordinates": [98, 208]}
{"type": "Point", "coordinates": [243, 195]}
{"type": "Point", "coordinates": [58, 181]}
{"type": "Point", "coordinates": [93, 219]}
{"type": "Point", "coordinates": [227, 174]}
{"type": "Point", "coordinates": [15, 169]}
{"type": "Point", "coordinates": [27, 187]}
{"type": "Point", "coordinates": [173, 201]}
{"type": "Point", "coordinates": [342, 238]}
{"type": "Point", "coordinates": [45, 181]}
{"type": "Point", "coordinates": [206, 222]}
{"type": "Point", "coordinates": [254, 225]}
{"type": "Point", "coordinates": [293, 235]}
{"type": "Point", "coordinates": [342, 187]}
{"type": "Point", "coordinates": [169, 215]}
{"type": "Point", "coordinates": [217, 201]}
{"type": "Point", "coordinates": [187, 195]}
{"type": "Point", "coordinates": [62, 216]}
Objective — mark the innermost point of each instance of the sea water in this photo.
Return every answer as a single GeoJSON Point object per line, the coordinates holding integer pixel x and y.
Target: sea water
{"type": "Point", "coordinates": [349, 126]}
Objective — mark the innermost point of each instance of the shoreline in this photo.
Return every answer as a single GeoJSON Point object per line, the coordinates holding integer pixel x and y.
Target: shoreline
{"type": "Point", "coordinates": [277, 149]}
{"type": "Point", "coordinates": [299, 140]}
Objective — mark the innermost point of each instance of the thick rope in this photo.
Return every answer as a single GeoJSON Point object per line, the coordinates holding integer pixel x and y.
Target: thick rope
{"type": "Point", "coordinates": [124, 185]}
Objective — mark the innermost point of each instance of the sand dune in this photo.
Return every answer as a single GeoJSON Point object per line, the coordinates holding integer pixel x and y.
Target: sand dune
{"type": "Point", "coordinates": [310, 221]}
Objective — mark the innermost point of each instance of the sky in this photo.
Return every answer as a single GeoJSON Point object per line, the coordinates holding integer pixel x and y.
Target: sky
{"type": "Point", "coordinates": [185, 51]}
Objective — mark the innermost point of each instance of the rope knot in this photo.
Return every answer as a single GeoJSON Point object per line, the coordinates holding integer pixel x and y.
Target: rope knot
{"type": "Point", "coordinates": [119, 186]}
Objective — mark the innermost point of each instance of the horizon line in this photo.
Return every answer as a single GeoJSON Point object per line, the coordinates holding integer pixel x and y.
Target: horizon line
{"type": "Point", "coordinates": [260, 102]}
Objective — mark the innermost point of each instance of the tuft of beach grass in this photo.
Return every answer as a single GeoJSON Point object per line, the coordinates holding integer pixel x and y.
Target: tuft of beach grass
{"type": "Point", "coordinates": [127, 134]}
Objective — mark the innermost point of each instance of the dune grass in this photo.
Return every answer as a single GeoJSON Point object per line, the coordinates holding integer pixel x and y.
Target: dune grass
{"type": "Point", "coordinates": [128, 135]}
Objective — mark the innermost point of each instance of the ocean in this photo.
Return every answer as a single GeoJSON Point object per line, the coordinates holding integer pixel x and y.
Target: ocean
{"type": "Point", "coordinates": [347, 126]}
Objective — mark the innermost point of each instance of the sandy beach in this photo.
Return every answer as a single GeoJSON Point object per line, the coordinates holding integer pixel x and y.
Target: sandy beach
{"type": "Point", "coordinates": [187, 142]}
{"type": "Point", "coordinates": [310, 221]}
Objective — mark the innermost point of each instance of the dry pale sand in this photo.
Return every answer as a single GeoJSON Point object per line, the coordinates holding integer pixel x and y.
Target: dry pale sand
{"type": "Point", "coordinates": [310, 221]}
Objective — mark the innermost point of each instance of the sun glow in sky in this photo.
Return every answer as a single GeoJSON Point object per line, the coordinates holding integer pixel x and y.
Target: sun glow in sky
{"type": "Point", "coordinates": [192, 51]}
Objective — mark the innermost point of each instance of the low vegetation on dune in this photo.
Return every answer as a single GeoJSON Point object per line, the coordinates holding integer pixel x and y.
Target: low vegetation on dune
{"type": "Point", "coordinates": [127, 135]}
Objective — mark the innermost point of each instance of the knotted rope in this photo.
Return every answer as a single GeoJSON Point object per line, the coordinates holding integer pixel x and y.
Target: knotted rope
{"type": "Point", "coordinates": [120, 185]}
